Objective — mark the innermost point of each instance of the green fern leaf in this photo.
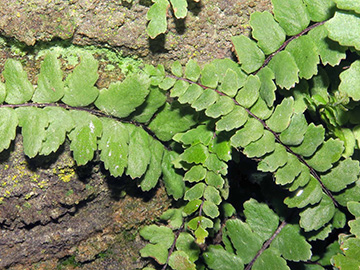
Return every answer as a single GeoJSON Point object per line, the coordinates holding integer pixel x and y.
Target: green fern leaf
{"type": "Point", "coordinates": [171, 120]}
{"type": "Point", "coordinates": [291, 15]}
{"type": "Point", "coordinates": [230, 83]}
{"type": "Point", "coordinates": [211, 194]}
{"type": "Point", "coordinates": [329, 153]}
{"type": "Point", "coordinates": [200, 134]}
{"type": "Point", "coordinates": [192, 93]}
{"type": "Point", "coordinates": [209, 76]}
{"type": "Point", "coordinates": [195, 154]}
{"type": "Point", "coordinates": [257, 214]}
{"type": "Point", "coordinates": [8, 124]}
{"type": "Point", "coordinates": [179, 260]}
{"type": "Point", "coordinates": [186, 243]}
{"type": "Point", "coordinates": [2, 92]}
{"type": "Point", "coordinates": [210, 209]}
{"type": "Point", "coordinates": [265, 144]}
{"type": "Point", "coordinates": [306, 56]}
{"type": "Point", "coordinates": [249, 94]}
{"type": "Point", "coordinates": [291, 244]}
{"type": "Point", "coordinates": [245, 241]}
{"type": "Point", "coordinates": [294, 133]}
{"type": "Point", "coordinates": [192, 70]}
{"type": "Point", "coordinates": [267, 87]}
{"type": "Point", "coordinates": [157, 18]}
{"type": "Point", "coordinates": [270, 258]}
{"type": "Point", "coordinates": [289, 172]}
{"type": "Point", "coordinates": [176, 69]}
{"type": "Point", "coordinates": [350, 80]}
{"type": "Point", "coordinates": [60, 123]}
{"type": "Point", "coordinates": [235, 119]}
{"type": "Point", "coordinates": [18, 88]}
{"type": "Point", "coordinates": [79, 85]}
{"type": "Point", "coordinates": [180, 8]}
{"type": "Point", "coordinates": [206, 99]}
{"type": "Point", "coordinates": [251, 132]}
{"type": "Point", "coordinates": [139, 153]}
{"type": "Point", "coordinates": [213, 163]}
{"type": "Point", "coordinates": [344, 28]}
{"type": "Point", "coordinates": [324, 212]}
{"type": "Point", "coordinates": [84, 136]}
{"type": "Point", "coordinates": [153, 172]}
{"type": "Point", "coordinates": [50, 83]}
{"type": "Point", "coordinates": [345, 173]}
{"type": "Point", "coordinates": [280, 119]}
{"type": "Point", "coordinates": [114, 146]}
{"type": "Point", "coordinates": [285, 69]}
{"type": "Point", "coordinates": [122, 98]}
{"type": "Point", "coordinates": [33, 122]}
{"type": "Point", "coordinates": [320, 10]}
{"type": "Point", "coordinates": [348, 5]}
{"type": "Point", "coordinates": [330, 51]}
{"type": "Point", "coordinates": [248, 53]}
{"type": "Point", "coordinates": [179, 88]}
{"type": "Point", "coordinates": [313, 138]}
{"type": "Point", "coordinates": [161, 239]}
{"type": "Point", "coordinates": [215, 180]}
{"type": "Point", "coordinates": [222, 106]}
{"type": "Point", "coordinates": [261, 110]}
{"type": "Point", "coordinates": [219, 259]}
{"type": "Point", "coordinates": [273, 161]}
{"type": "Point", "coordinates": [195, 192]}
{"type": "Point", "coordinates": [195, 174]}
{"type": "Point", "coordinates": [266, 31]}
{"type": "Point", "coordinates": [174, 183]}
{"type": "Point", "coordinates": [310, 194]}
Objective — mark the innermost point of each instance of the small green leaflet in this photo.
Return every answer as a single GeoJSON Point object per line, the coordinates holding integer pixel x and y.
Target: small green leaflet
{"type": "Point", "coordinates": [157, 18]}
{"type": "Point", "coordinates": [265, 144]}
{"type": "Point", "coordinates": [122, 98]}
{"type": "Point", "coordinates": [294, 133]}
{"type": "Point", "coordinates": [266, 31]}
{"type": "Point", "coordinates": [192, 70]}
{"type": "Point", "coordinates": [291, 15]}
{"type": "Point", "coordinates": [274, 160]}
{"type": "Point", "coordinates": [209, 76]}
{"type": "Point", "coordinates": [222, 106]}
{"type": "Point", "coordinates": [344, 28]}
{"type": "Point", "coordinates": [280, 119]}
{"type": "Point", "coordinates": [180, 8]}
{"type": "Point", "coordinates": [349, 5]}
{"type": "Point", "coordinates": [330, 51]}
{"type": "Point", "coordinates": [153, 172]}
{"type": "Point", "coordinates": [285, 69]}
{"type": "Point", "coordinates": [313, 138]}
{"type": "Point", "coordinates": [179, 260]}
{"type": "Point", "coordinates": [219, 259]}
{"type": "Point", "coordinates": [248, 53]}
{"type": "Point", "coordinates": [287, 173]}
{"type": "Point", "coordinates": [267, 87]}
{"type": "Point", "coordinates": [195, 174]}
{"type": "Point", "coordinates": [50, 86]}
{"type": "Point", "coordinates": [161, 239]}
{"type": "Point", "coordinates": [18, 88]}
{"type": "Point", "coordinates": [245, 241]}
{"type": "Point", "coordinates": [139, 153]}
{"type": "Point", "coordinates": [350, 81]}
{"type": "Point", "coordinates": [320, 10]}
{"type": "Point", "coordinates": [8, 124]}
{"type": "Point", "coordinates": [171, 120]}
{"type": "Point", "coordinates": [186, 243]}
{"type": "Point", "coordinates": [248, 95]}
{"type": "Point", "coordinates": [270, 259]}
{"type": "Point", "coordinates": [235, 119]}
{"type": "Point", "coordinates": [60, 122]}
{"type": "Point", "coordinates": [84, 136]}
{"type": "Point", "coordinates": [261, 219]}
{"type": "Point", "coordinates": [33, 122]}
{"type": "Point", "coordinates": [291, 244]}
{"type": "Point", "coordinates": [79, 85]}
{"type": "Point", "coordinates": [173, 181]}
{"type": "Point", "coordinates": [324, 212]}
{"type": "Point", "coordinates": [114, 146]}
{"type": "Point", "coordinates": [306, 56]}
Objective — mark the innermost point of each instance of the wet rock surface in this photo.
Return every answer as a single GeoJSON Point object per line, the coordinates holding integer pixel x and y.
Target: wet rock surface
{"type": "Point", "coordinates": [204, 34]}
{"type": "Point", "coordinates": [52, 209]}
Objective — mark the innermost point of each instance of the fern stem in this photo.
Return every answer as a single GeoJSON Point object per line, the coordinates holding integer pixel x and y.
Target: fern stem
{"type": "Point", "coordinates": [283, 46]}
{"type": "Point", "coordinates": [277, 138]}
{"type": "Point", "coordinates": [266, 245]}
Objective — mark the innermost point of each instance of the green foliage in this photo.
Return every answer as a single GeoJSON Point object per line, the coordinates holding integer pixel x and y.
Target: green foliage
{"type": "Point", "coordinates": [282, 105]}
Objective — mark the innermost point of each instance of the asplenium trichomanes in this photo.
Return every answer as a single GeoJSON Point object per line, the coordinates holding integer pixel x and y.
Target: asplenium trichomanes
{"type": "Point", "coordinates": [290, 103]}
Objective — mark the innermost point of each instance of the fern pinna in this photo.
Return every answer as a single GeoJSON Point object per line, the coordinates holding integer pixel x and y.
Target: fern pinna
{"type": "Point", "coordinates": [277, 106]}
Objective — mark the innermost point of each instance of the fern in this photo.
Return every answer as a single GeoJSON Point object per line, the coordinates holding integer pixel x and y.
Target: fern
{"type": "Point", "coordinates": [275, 106]}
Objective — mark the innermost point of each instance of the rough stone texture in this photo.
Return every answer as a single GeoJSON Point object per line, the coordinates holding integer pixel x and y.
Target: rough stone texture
{"type": "Point", "coordinates": [204, 34]}
{"type": "Point", "coordinates": [52, 209]}
{"type": "Point", "coordinates": [53, 214]}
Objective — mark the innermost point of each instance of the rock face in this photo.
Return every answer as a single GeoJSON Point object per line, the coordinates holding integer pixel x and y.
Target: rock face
{"type": "Point", "coordinates": [204, 34]}
{"type": "Point", "coordinates": [54, 214]}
